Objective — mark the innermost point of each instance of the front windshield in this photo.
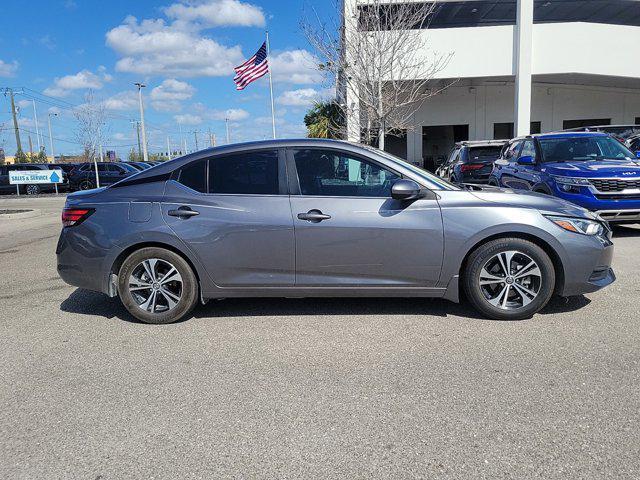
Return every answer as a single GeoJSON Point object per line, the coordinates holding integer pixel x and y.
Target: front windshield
{"type": "Point", "coordinates": [583, 148]}
{"type": "Point", "coordinates": [436, 182]}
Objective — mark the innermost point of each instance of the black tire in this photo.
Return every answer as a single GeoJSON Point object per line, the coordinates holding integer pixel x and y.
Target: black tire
{"type": "Point", "coordinates": [86, 185]}
{"type": "Point", "coordinates": [32, 189]}
{"type": "Point", "coordinates": [479, 295]}
{"type": "Point", "coordinates": [189, 287]}
{"type": "Point", "coordinates": [493, 182]}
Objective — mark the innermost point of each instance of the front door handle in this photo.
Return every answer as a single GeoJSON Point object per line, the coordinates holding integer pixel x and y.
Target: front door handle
{"type": "Point", "coordinates": [183, 212]}
{"type": "Point", "coordinates": [313, 216]}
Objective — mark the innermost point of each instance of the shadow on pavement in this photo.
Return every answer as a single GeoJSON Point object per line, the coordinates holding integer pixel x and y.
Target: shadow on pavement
{"type": "Point", "coordinates": [623, 231]}
{"type": "Point", "coordinates": [564, 305]}
{"type": "Point", "coordinates": [92, 303]}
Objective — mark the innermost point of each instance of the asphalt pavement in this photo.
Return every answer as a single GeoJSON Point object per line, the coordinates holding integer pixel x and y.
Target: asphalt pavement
{"type": "Point", "coordinates": [310, 388]}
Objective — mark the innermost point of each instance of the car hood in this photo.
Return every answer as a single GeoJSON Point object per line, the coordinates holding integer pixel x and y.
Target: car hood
{"type": "Point", "coordinates": [593, 168]}
{"type": "Point", "coordinates": [525, 199]}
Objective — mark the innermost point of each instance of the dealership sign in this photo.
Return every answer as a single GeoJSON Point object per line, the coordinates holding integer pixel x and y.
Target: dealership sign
{"type": "Point", "coordinates": [34, 176]}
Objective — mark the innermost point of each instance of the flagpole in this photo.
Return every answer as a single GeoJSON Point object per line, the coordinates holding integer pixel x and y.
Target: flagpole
{"type": "Point", "coordinates": [273, 113]}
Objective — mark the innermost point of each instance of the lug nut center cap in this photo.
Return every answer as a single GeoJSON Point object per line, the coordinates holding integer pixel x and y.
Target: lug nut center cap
{"type": "Point", "coordinates": [509, 280]}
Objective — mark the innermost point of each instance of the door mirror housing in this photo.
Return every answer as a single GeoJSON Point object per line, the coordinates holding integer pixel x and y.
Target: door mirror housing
{"type": "Point", "coordinates": [526, 160]}
{"type": "Point", "coordinates": [406, 190]}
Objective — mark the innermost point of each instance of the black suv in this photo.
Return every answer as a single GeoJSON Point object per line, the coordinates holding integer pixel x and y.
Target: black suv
{"type": "Point", "coordinates": [83, 177]}
{"type": "Point", "coordinates": [32, 189]}
{"type": "Point", "coordinates": [471, 161]}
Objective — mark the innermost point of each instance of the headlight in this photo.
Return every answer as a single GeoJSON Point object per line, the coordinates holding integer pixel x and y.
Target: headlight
{"type": "Point", "coordinates": [578, 225]}
{"type": "Point", "coordinates": [570, 180]}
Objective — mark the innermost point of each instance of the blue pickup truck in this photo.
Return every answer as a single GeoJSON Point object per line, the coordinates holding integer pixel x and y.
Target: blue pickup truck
{"type": "Point", "coordinates": [590, 169]}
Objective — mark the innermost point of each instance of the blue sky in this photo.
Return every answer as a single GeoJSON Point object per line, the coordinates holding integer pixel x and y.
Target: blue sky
{"type": "Point", "coordinates": [183, 50]}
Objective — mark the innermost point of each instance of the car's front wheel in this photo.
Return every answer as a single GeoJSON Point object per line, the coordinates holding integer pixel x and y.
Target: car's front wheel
{"type": "Point", "coordinates": [509, 279]}
{"type": "Point", "coordinates": [157, 285]}
{"type": "Point", "coordinates": [86, 185]}
{"type": "Point", "coordinates": [32, 189]}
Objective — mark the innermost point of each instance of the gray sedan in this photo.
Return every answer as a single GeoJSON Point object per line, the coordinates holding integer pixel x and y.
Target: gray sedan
{"type": "Point", "coordinates": [312, 218]}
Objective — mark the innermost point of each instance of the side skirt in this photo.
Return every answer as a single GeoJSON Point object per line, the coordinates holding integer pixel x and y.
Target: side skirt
{"type": "Point", "coordinates": [302, 292]}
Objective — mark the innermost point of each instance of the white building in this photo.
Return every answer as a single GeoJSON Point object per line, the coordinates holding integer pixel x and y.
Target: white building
{"type": "Point", "coordinates": [540, 65]}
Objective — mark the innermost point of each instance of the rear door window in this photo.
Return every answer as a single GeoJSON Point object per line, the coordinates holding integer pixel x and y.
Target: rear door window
{"type": "Point", "coordinates": [528, 150]}
{"type": "Point", "coordinates": [194, 176]}
{"type": "Point", "coordinates": [247, 173]}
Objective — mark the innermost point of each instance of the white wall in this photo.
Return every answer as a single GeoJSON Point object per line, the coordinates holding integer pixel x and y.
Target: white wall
{"type": "Point", "coordinates": [588, 48]}
{"type": "Point", "coordinates": [483, 105]}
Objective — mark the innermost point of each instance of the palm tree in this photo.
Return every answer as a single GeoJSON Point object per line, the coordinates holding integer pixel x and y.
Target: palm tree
{"type": "Point", "coordinates": [324, 120]}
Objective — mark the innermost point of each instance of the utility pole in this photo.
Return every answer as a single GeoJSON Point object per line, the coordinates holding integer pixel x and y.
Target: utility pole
{"type": "Point", "coordinates": [210, 137]}
{"type": "Point", "coordinates": [168, 149]}
{"type": "Point", "coordinates": [35, 118]}
{"type": "Point", "coordinates": [139, 144]}
{"type": "Point", "coordinates": [53, 155]}
{"type": "Point", "coordinates": [226, 124]}
{"type": "Point", "coordinates": [15, 120]}
{"type": "Point", "coordinates": [195, 135]}
{"type": "Point", "coordinates": [144, 133]}
{"type": "Point", "coordinates": [213, 139]}
{"type": "Point", "coordinates": [182, 140]}
{"type": "Point", "coordinates": [30, 150]}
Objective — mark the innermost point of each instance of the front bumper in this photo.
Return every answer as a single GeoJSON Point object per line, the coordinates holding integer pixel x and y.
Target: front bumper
{"type": "Point", "coordinates": [587, 267]}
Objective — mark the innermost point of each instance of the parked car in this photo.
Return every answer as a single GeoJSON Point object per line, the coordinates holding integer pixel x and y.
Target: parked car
{"type": "Point", "coordinates": [30, 189]}
{"type": "Point", "coordinates": [138, 165]}
{"type": "Point", "coordinates": [83, 177]}
{"type": "Point", "coordinates": [633, 144]}
{"type": "Point", "coordinates": [592, 170]}
{"type": "Point", "coordinates": [317, 218]}
{"type": "Point", "coordinates": [619, 132]}
{"type": "Point", "coordinates": [471, 161]}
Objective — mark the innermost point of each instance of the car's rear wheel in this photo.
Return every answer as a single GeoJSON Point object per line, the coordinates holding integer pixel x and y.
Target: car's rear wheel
{"type": "Point", "coordinates": [157, 285]}
{"type": "Point", "coordinates": [509, 279]}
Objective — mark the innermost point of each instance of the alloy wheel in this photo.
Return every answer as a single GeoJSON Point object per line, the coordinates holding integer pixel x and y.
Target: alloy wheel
{"type": "Point", "coordinates": [33, 189]}
{"type": "Point", "coordinates": [510, 280]}
{"type": "Point", "coordinates": [156, 285]}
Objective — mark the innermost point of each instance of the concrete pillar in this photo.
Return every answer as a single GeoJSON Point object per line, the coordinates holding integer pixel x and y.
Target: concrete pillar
{"type": "Point", "coordinates": [523, 59]}
{"type": "Point", "coordinates": [352, 103]}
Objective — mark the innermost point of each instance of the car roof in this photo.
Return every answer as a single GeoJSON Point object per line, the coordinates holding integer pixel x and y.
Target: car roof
{"type": "Point", "coordinates": [165, 168]}
{"type": "Point", "coordinates": [563, 135]}
{"type": "Point", "coordinates": [481, 143]}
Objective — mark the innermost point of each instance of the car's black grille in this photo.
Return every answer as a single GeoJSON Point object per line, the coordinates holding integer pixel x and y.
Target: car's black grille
{"type": "Point", "coordinates": [614, 185]}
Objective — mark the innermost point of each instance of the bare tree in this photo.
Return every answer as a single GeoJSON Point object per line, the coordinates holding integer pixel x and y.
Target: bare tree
{"type": "Point", "coordinates": [378, 56]}
{"type": "Point", "coordinates": [90, 129]}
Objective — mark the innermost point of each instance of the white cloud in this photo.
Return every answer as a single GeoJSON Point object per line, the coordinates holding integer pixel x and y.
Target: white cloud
{"type": "Point", "coordinates": [127, 100]}
{"type": "Point", "coordinates": [172, 89]}
{"type": "Point", "coordinates": [151, 47]}
{"type": "Point", "coordinates": [84, 79]}
{"type": "Point", "coordinates": [120, 136]}
{"type": "Point", "coordinates": [24, 103]}
{"type": "Point", "coordinates": [167, 96]}
{"type": "Point", "coordinates": [188, 119]}
{"type": "Point", "coordinates": [217, 13]}
{"type": "Point", "coordinates": [8, 69]}
{"type": "Point", "coordinates": [296, 66]}
{"type": "Point", "coordinates": [299, 98]}
{"type": "Point", "coordinates": [233, 114]}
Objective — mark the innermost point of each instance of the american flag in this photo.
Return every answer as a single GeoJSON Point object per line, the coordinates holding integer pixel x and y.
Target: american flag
{"type": "Point", "coordinates": [252, 69]}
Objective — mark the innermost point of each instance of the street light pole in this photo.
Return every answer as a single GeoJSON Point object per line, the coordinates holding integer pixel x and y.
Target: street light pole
{"type": "Point", "coordinates": [53, 155]}
{"type": "Point", "coordinates": [145, 154]}
{"type": "Point", "coordinates": [226, 124]}
{"type": "Point", "coordinates": [35, 118]}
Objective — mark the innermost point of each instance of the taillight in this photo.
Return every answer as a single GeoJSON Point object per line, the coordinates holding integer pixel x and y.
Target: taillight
{"type": "Point", "coordinates": [468, 167]}
{"type": "Point", "coordinates": [74, 216]}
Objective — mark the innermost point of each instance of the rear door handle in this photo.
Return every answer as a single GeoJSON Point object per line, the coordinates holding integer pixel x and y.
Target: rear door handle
{"type": "Point", "coordinates": [183, 212]}
{"type": "Point", "coordinates": [314, 216]}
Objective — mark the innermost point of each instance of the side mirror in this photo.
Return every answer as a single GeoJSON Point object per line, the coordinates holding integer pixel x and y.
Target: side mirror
{"type": "Point", "coordinates": [406, 190]}
{"type": "Point", "coordinates": [638, 154]}
{"type": "Point", "coordinates": [526, 160]}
